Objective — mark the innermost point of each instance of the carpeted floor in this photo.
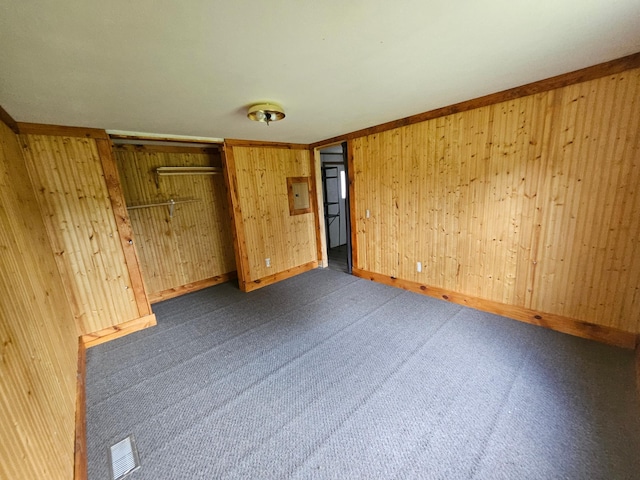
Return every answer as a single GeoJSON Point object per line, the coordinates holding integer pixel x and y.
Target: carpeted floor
{"type": "Point", "coordinates": [328, 376]}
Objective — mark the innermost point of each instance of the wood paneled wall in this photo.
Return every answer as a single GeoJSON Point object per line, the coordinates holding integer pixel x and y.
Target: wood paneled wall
{"type": "Point", "coordinates": [264, 228]}
{"type": "Point", "coordinates": [531, 203]}
{"type": "Point", "coordinates": [38, 338]}
{"type": "Point", "coordinates": [195, 246]}
{"type": "Point", "coordinates": [68, 177]}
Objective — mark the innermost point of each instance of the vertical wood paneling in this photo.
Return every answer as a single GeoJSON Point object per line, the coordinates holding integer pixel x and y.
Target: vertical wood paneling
{"type": "Point", "coordinates": [289, 241]}
{"type": "Point", "coordinates": [196, 244]}
{"type": "Point", "coordinates": [38, 339]}
{"type": "Point", "coordinates": [530, 202]}
{"type": "Point", "coordinates": [67, 175]}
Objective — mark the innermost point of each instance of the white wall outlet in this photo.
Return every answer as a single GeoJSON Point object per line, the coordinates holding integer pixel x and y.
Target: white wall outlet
{"type": "Point", "coordinates": [268, 262]}
{"type": "Point", "coordinates": [367, 213]}
{"type": "Point", "coordinates": [418, 267]}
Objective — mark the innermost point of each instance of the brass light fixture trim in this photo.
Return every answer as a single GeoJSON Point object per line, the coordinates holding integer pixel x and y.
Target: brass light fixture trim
{"type": "Point", "coordinates": [266, 112]}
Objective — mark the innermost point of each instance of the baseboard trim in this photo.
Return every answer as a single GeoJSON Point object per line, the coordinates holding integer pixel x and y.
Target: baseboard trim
{"type": "Point", "coordinates": [80, 454]}
{"type": "Point", "coordinates": [638, 363]}
{"type": "Point", "coordinates": [116, 331]}
{"type": "Point", "coordinates": [600, 333]}
{"type": "Point", "coordinates": [191, 287]}
{"type": "Point", "coordinates": [276, 277]}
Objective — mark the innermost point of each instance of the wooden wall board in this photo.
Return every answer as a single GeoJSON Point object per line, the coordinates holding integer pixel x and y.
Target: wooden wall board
{"type": "Point", "coordinates": [529, 202]}
{"type": "Point", "coordinates": [259, 144]}
{"type": "Point", "coordinates": [192, 287]}
{"type": "Point", "coordinates": [257, 176]}
{"type": "Point", "coordinates": [559, 323]}
{"type": "Point", "coordinates": [279, 276]}
{"type": "Point", "coordinates": [125, 231]}
{"type": "Point", "coordinates": [67, 174]}
{"type": "Point", "coordinates": [196, 243]}
{"type": "Point", "coordinates": [80, 469]}
{"type": "Point", "coordinates": [8, 120]}
{"type": "Point", "coordinates": [235, 215]}
{"type": "Point", "coordinates": [321, 241]}
{"type": "Point", "coordinates": [38, 339]}
{"type": "Point", "coordinates": [214, 151]}
{"type": "Point", "coordinates": [116, 331]}
{"type": "Point", "coordinates": [585, 74]}
{"type": "Point", "coordinates": [60, 130]}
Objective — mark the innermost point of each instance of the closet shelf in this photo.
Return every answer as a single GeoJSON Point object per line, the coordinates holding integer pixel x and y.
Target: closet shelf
{"type": "Point", "coordinates": [166, 171]}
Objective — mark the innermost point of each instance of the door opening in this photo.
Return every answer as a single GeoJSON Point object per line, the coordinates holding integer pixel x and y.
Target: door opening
{"type": "Point", "coordinates": [335, 190]}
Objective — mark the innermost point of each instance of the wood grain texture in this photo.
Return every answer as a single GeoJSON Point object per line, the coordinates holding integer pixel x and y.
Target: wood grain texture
{"type": "Point", "coordinates": [116, 331]}
{"type": "Point", "coordinates": [74, 200]}
{"type": "Point", "coordinates": [192, 287]}
{"type": "Point", "coordinates": [196, 243]}
{"type": "Point", "coordinates": [261, 211]}
{"type": "Point", "coordinates": [638, 363]}
{"type": "Point", "coordinates": [235, 215]}
{"type": "Point", "coordinates": [38, 340]}
{"type": "Point", "coordinates": [8, 120]}
{"type": "Point", "coordinates": [60, 130]}
{"type": "Point", "coordinates": [259, 144]}
{"type": "Point", "coordinates": [585, 74]}
{"type": "Point", "coordinates": [167, 138]}
{"type": "Point", "coordinates": [148, 148]}
{"type": "Point", "coordinates": [279, 276]}
{"type": "Point", "coordinates": [558, 323]}
{"type": "Point", "coordinates": [321, 239]}
{"type": "Point", "coordinates": [125, 231]}
{"type": "Point", "coordinates": [530, 202]}
{"type": "Point", "coordinates": [80, 469]}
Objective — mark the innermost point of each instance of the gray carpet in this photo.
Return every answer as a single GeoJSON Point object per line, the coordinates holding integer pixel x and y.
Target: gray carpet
{"type": "Point", "coordinates": [328, 376]}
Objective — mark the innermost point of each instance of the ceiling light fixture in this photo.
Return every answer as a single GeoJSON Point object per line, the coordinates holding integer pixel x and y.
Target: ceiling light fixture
{"type": "Point", "coordinates": [266, 112]}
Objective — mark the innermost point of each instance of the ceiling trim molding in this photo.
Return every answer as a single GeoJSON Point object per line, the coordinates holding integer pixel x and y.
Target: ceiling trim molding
{"type": "Point", "coordinates": [256, 143]}
{"type": "Point", "coordinates": [8, 120]}
{"type": "Point", "coordinates": [60, 130]}
{"type": "Point", "coordinates": [578, 76]}
{"type": "Point", "coordinates": [161, 137]}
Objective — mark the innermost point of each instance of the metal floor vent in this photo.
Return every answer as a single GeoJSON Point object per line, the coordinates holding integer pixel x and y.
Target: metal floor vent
{"type": "Point", "coordinates": [123, 458]}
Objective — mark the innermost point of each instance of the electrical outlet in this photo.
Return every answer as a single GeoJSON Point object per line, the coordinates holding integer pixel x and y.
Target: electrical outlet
{"type": "Point", "coordinates": [418, 267]}
{"type": "Point", "coordinates": [367, 213]}
{"type": "Point", "coordinates": [268, 262]}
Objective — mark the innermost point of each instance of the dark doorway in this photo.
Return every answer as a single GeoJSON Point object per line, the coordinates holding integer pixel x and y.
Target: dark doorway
{"type": "Point", "coordinates": [336, 206]}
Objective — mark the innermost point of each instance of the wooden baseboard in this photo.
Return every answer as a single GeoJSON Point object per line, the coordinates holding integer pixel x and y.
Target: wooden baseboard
{"type": "Point", "coordinates": [559, 323]}
{"type": "Point", "coordinates": [111, 333]}
{"type": "Point", "coordinates": [638, 362]}
{"type": "Point", "coordinates": [80, 455]}
{"type": "Point", "coordinates": [276, 277]}
{"type": "Point", "coordinates": [191, 287]}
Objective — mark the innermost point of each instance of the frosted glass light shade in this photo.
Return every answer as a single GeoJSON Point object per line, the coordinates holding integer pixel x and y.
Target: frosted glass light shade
{"type": "Point", "coordinates": [266, 112]}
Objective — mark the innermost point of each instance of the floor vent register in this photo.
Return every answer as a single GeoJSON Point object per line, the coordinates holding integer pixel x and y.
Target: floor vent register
{"type": "Point", "coordinates": [123, 458]}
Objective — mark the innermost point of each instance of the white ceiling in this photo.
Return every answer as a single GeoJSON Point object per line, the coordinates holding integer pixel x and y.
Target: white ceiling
{"type": "Point", "coordinates": [192, 67]}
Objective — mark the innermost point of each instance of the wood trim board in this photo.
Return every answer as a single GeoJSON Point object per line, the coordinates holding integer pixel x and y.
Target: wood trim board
{"type": "Point", "coordinates": [585, 74]}
{"type": "Point", "coordinates": [638, 363]}
{"type": "Point", "coordinates": [80, 454]}
{"type": "Point", "coordinates": [125, 230]}
{"type": "Point", "coordinates": [276, 277]}
{"type": "Point", "coordinates": [166, 138]}
{"type": "Point", "coordinates": [608, 335]}
{"type": "Point", "coordinates": [147, 148]}
{"type": "Point", "coordinates": [318, 208]}
{"type": "Point", "coordinates": [237, 225]}
{"type": "Point", "coordinates": [61, 131]}
{"type": "Point", "coordinates": [116, 331]}
{"type": "Point", "coordinates": [352, 205]}
{"type": "Point", "coordinates": [256, 143]}
{"type": "Point", "coordinates": [191, 287]}
{"type": "Point", "coordinates": [8, 120]}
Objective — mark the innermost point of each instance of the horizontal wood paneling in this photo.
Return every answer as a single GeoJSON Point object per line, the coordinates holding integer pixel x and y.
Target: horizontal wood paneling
{"type": "Point", "coordinates": [530, 202]}
{"type": "Point", "coordinates": [38, 340]}
{"type": "Point", "coordinates": [258, 177]}
{"type": "Point", "coordinates": [68, 178]}
{"type": "Point", "coordinates": [196, 243]}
